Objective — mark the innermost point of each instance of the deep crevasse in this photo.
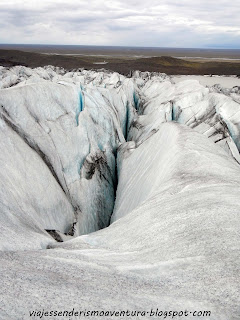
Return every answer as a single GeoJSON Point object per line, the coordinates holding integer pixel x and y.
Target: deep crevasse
{"type": "Point", "coordinates": [58, 165]}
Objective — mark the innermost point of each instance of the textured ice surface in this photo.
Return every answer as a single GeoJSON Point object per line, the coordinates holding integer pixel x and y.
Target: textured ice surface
{"type": "Point", "coordinates": [215, 115]}
{"type": "Point", "coordinates": [158, 159]}
{"type": "Point", "coordinates": [226, 82]}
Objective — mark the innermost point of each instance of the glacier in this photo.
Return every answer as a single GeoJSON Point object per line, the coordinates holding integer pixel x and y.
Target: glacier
{"type": "Point", "coordinates": [138, 178]}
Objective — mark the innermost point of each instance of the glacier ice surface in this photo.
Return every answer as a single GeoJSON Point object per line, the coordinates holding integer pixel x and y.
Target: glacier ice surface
{"type": "Point", "coordinates": [155, 159]}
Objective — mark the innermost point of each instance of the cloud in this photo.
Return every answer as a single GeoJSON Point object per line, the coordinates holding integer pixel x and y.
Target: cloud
{"type": "Point", "coordinates": [133, 22]}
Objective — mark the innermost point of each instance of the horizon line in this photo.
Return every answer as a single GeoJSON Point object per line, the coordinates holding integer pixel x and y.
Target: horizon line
{"type": "Point", "coordinates": [120, 46]}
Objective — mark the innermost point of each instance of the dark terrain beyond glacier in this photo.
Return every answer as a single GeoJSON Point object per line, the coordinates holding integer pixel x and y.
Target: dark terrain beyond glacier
{"type": "Point", "coordinates": [118, 193]}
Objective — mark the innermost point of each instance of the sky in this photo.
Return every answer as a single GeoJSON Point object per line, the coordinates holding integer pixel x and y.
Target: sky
{"type": "Point", "coordinates": [149, 23]}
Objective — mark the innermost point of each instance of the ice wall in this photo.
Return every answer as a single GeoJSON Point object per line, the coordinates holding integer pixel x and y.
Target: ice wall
{"type": "Point", "coordinates": [61, 136]}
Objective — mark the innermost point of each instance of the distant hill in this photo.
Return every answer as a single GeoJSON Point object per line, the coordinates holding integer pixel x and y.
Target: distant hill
{"type": "Point", "coordinates": [123, 65]}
